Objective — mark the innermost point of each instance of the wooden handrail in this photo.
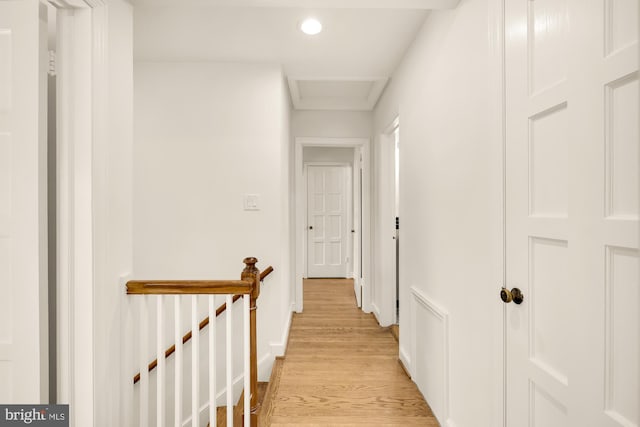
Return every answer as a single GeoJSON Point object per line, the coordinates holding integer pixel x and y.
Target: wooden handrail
{"type": "Point", "coordinates": [267, 271]}
{"type": "Point", "coordinates": [181, 287]}
{"type": "Point", "coordinates": [168, 352]}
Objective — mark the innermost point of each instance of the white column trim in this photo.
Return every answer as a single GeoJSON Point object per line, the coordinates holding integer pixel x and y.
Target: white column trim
{"type": "Point", "coordinates": [81, 54]}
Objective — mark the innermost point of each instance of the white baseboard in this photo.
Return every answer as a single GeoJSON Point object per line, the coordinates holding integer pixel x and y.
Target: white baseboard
{"type": "Point", "coordinates": [278, 348]}
{"type": "Point", "coordinates": [406, 360]}
{"type": "Point", "coordinates": [264, 367]}
{"type": "Point", "coordinates": [376, 312]}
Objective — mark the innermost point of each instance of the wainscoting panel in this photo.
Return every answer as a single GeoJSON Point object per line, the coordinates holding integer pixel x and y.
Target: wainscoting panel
{"type": "Point", "coordinates": [430, 353]}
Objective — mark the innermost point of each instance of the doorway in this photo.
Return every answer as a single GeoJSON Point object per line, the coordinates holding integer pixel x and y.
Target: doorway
{"type": "Point", "coordinates": [358, 247]}
{"type": "Point", "coordinates": [387, 296]}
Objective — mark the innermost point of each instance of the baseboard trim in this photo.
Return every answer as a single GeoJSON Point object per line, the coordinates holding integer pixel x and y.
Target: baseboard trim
{"type": "Point", "coordinates": [279, 348]}
{"type": "Point", "coordinates": [404, 368]}
{"type": "Point", "coordinates": [376, 312]}
{"type": "Point", "coordinates": [405, 360]}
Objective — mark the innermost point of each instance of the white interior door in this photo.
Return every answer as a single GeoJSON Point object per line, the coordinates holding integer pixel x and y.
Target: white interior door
{"type": "Point", "coordinates": [23, 261]}
{"type": "Point", "coordinates": [326, 221]}
{"type": "Point", "coordinates": [572, 212]}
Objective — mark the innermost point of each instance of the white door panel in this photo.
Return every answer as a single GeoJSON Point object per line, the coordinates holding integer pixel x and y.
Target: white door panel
{"type": "Point", "coordinates": [326, 219]}
{"type": "Point", "coordinates": [572, 212]}
{"type": "Point", "coordinates": [23, 303]}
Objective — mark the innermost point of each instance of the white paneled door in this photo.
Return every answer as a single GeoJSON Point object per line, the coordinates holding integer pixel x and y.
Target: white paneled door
{"type": "Point", "coordinates": [23, 295]}
{"type": "Point", "coordinates": [327, 221]}
{"type": "Point", "coordinates": [572, 212]}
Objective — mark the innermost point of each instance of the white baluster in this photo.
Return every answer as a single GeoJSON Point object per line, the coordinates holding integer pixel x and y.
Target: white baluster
{"type": "Point", "coordinates": [195, 366]}
{"type": "Point", "coordinates": [212, 363]}
{"type": "Point", "coordinates": [144, 354]}
{"type": "Point", "coordinates": [178, 377]}
{"type": "Point", "coordinates": [247, 359]}
{"type": "Point", "coordinates": [160, 389]}
{"type": "Point", "coordinates": [229, 361]}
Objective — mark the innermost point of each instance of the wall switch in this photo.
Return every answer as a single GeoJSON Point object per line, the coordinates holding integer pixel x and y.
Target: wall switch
{"type": "Point", "coordinates": [251, 202]}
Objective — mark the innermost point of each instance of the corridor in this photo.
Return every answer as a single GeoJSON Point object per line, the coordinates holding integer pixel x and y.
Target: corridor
{"type": "Point", "coordinates": [341, 368]}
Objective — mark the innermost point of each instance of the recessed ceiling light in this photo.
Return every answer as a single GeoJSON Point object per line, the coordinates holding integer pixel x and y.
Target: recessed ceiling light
{"type": "Point", "coordinates": [311, 26]}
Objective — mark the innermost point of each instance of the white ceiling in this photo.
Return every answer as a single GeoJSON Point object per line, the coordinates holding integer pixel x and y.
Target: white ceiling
{"type": "Point", "coordinates": [361, 43]}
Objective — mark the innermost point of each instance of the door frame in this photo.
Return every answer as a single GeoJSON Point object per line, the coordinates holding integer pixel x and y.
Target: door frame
{"type": "Point", "coordinates": [497, 36]}
{"type": "Point", "coordinates": [349, 195]}
{"type": "Point", "coordinates": [363, 145]}
{"type": "Point", "coordinates": [82, 63]}
{"type": "Point", "coordinates": [385, 310]}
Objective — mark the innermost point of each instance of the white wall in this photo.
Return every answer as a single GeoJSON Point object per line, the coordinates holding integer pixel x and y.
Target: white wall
{"type": "Point", "coordinates": [331, 124]}
{"type": "Point", "coordinates": [205, 135]}
{"type": "Point", "coordinates": [450, 209]}
{"type": "Point", "coordinates": [328, 154]}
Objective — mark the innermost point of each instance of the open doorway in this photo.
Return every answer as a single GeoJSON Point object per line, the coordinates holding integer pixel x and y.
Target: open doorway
{"type": "Point", "coordinates": [332, 242]}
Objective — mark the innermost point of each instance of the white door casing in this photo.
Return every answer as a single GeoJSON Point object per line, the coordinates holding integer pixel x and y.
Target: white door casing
{"type": "Point", "coordinates": [23, 203]}
{"type": "Point", "coordinates": [385, 297]}
{"type": "Point", "coordinates": [356, 235]}
{"type": "Point", "coordinates": [327, 205]}
{"type": "Point", "coordinates": [362, 250]}
{"type": "Point", "coordinates": [572, 212]}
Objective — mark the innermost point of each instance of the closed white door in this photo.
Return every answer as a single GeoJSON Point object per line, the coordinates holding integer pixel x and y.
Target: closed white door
{"type": "Point", "coordinates": [23, 263]}
{"type": "Point", "coordinates": [572, 213]}
{"type": "Point", "coordinates": [326, 221]}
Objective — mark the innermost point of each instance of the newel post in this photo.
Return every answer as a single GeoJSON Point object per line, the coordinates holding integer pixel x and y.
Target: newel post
{"type": "Point", "coordinates": [252, 273]}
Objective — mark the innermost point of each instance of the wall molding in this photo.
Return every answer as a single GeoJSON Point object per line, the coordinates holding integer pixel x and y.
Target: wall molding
{"type": "Point", "coordinates": [420, 300]}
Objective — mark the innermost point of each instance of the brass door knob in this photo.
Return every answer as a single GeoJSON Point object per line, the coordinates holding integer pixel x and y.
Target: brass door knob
{"type": "Point", "coordinates": [514, 295]}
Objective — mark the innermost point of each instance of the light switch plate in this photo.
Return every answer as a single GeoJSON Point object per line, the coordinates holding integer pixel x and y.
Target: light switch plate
{"type": "Point", "coordinates": [251, 202]}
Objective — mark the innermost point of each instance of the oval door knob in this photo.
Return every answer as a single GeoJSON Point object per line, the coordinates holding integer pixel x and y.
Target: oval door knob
{"type": "Point", "coordinates": [514, 295]}
{"type": "Point", "coordinates": [311, 227]}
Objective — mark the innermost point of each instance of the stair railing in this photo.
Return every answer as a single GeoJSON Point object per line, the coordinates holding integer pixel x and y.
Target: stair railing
{"type": "Point", "coordinates": [247, 288]}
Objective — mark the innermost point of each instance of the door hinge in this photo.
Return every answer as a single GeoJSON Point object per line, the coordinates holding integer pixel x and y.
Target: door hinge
{"type": "Point", "coordinates": [52, 63]}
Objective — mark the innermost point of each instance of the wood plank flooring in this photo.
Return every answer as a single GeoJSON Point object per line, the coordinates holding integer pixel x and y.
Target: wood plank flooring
{"type": "Point", "coordinates": [341, 368]}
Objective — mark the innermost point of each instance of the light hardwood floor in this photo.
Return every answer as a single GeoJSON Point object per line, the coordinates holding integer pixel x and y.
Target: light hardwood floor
{"type": "Point", "coordinates": [341, 368]}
